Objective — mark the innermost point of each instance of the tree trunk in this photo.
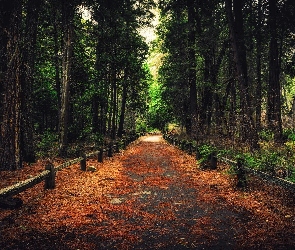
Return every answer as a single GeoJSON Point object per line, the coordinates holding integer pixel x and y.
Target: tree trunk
{"type": "Point", "coordinates": [68, 16]}
{"type": "Point", "coordinates": [236, 27]}
{"type": "Point", "coordinates": [207, 96]}
{"type": "Point", "coordinates": [10, 152]}
{"type": "Point", "coordinates": [192, 68]}
{"type": "Point", "coordinates": [27, 73]}
{"type": "Point", "coordinates": [123, 108]}
{"type": "Point", "coordinates": [57, 62]}
{"type": "Point", "coordinates": [258, 66]}
{"type": "Point", "coordinates": [5, 14]}
{"type": "Point", "coordinates": [94, 113]}
{"type": "Point", "coordinates": [109, 104]}
{"type": "Point", "coordinates": [114, 105]}
{"type": "Point", "coordinates": [274, 87]}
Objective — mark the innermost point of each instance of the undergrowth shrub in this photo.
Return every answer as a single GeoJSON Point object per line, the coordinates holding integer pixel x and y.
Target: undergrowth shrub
{"type": "Point", "coordinates": [289, 134]}
{"type": "Point", "coordinates": [47, 144]}
{"type": "Point", "coordinates": [205, 151]}
{"type": "Point", "coordinates": [249, 160]}
{"type": "Point", "coordinates": [269, 161]}
{"type": "Point", "coordinates": [266, 135]}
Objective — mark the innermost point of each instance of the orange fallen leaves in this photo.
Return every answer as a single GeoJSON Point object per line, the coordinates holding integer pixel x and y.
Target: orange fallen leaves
{"type": "Point", "coordinates": [150, 196]}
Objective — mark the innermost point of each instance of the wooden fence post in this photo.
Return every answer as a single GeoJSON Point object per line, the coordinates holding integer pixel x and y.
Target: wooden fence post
{"type": "Point", "coordinates": [50, 180]}
{"type": "Point", "coordinates": [117, 147]}
{"type": "Point", "coordinates": [83, 162]}
{"type": "Point", "coordinates": [190, 151]}
{"type": "Point", "coordinates": [100, 155]}
{"type": "Point", "coordinates": [110, 150]}
{"type": "Point", "coordinates": [213, 160]}
{"type": "Point", "coordinates": [241, 175]}
{"type": "Point", "coordinates": [198, 154]}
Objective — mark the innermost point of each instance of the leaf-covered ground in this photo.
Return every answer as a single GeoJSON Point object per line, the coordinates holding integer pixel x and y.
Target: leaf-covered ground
{"type": "Point", "coordinates": [150, 196]}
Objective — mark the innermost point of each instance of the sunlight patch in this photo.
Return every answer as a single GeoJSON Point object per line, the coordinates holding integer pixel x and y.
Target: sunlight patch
{"type": "Point", "coordinates": [153, 138]}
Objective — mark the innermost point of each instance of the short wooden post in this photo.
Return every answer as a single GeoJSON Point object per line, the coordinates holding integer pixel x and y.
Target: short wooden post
{"type": "Point", "coordinates": [110, 150]}
{"type": "Point", "coordinates": [241, 175]}
{"type": "Point", "coordinates": [50, 179]}
{"type": "Point", "coordinates": [83, 162]}
{"type": "Point", "coordinates": [100, 155]}
{"type": "Point", "coordinates": [190, 148]}
{"type": "Point", "coordinates": [117, 147]}
{"type": "Point", "coordinates": [182, 144]}
{"type": "Point", "coordinates": [213, 160]}
{"type": "Point", "coordinates": [198, 154]}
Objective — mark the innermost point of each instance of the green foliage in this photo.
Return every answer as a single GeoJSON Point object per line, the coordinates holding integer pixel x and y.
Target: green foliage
{"type": "Point", "coordinates": [268, 161]}
{"type": "Point", "coordinates": [153, 131]}
{"type": "Point", "coordinates": [205, 151]}
{"type": "Point", "coordinates": [249, 159]}
{"type": "Point", "coordinates": [141, 125]}
{"type": "Point", "coordinates": [47, 144]}
{"type": "Point", "coordinates": [289, 134]}
{"type": "Point", "coordinates": [225, 153]}
{"type": "Point", "coordinates": [266, 135]}
{"type": "Point", "coordinates": [158, 111]}
{"type": "Point", "coordinates": [291, 174]}
{"type": "Point", "coordinates": [276, 163]}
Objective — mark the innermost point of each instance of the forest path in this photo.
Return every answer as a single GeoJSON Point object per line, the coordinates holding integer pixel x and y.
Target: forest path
{"type": "Point", "coordinates": [150, 196]}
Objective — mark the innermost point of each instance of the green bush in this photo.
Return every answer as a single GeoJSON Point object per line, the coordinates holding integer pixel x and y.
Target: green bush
{"type": "Point", "coordinates": [205, 150]}
{"type": "Point", "coordinates": [289, 134]}
{"type": "Point", "coordinates": [141, 126]}
{"type": "Point", "coordinates": [266, 135]}
{"type": "Point", "coordinates": [250, 160]}
{"type": "Point", "coordinates": [291, 174]}
{"type": "Point", "coordinates": [269, 161]}
{"type": "Point", "coordinates": [47, 144]}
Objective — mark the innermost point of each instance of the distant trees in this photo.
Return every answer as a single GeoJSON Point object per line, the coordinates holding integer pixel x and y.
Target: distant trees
{"type": "Point", "coordinates": [60, 73]}
{"type": "Point", "coordinates": [241, 58]}
{"type": "Point", "coordinates": [173, 74]}
{"type": "Point", "coordinates": [226, 68]}
{"type": "Point", "coordinates": [119, 63]}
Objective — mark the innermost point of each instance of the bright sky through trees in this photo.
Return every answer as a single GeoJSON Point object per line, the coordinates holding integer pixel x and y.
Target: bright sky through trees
{"type": "Point", "coordinates": [149, 32]}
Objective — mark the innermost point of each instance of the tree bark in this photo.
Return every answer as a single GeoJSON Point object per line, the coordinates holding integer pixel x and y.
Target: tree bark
{"type": "Point", "coordinates": [123, 108]}
{"type": "Point", "coordinates": [114, 104]}
{"type": "Point", "coordinates": [28, 65]}
{"type": "Point", "coordinates": [236, 27]}
{"type": "Point", "coordinates": [57, 62]}
{"type": "Point", "coordinates": [258, 66]}
{"type": "Point", "coordinates": [94, 113]}
{"type": "Point", "coordinates": [274, 87]}
{"type": "Point", "coordinates": [192, 68]}
{"type": "Point", "coordinates": [10, 151]}
{"type": "Point", "coordinates": [68, 16]}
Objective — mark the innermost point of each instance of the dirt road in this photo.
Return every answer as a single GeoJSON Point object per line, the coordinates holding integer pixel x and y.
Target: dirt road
{"type": "Point", "coordinates": [151, 196]}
